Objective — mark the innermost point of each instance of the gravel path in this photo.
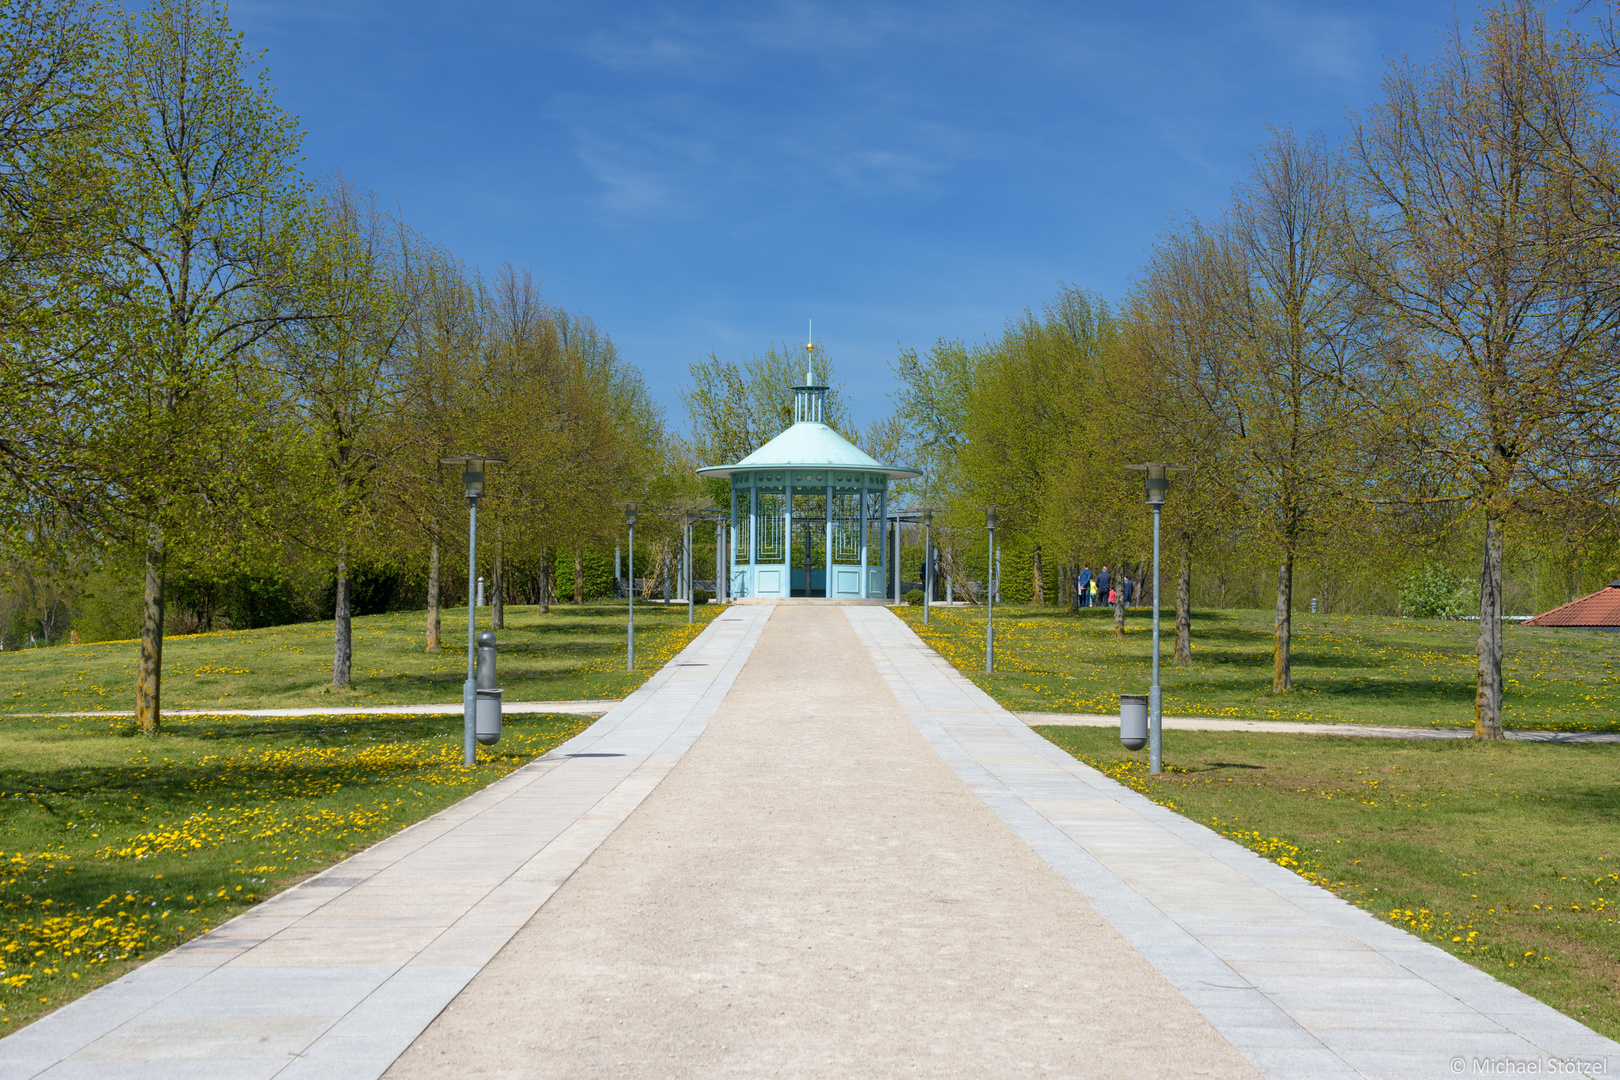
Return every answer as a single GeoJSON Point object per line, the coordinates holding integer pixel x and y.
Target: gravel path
{"type": "Point", "coordinates": [813, 892]}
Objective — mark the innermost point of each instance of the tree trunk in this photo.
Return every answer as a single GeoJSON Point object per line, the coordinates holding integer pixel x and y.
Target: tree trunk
{"type": "Point", "coordinates": [497, 582]}
{"type": "Point", "coordinates": [149, 686]}
{"type": "Point", "coordinates": [1184, 603]}
{"type": "Point", "coordinates": [1038, 592]}
{"type": "Point", "coordinates": [1488, 688]}
{"type": "Point", "coordinates": [579, 574]}
{"type": "Point", "coordinates": [1119, 601]}
{"type": "Point", "coordinates": [433, 594]}
{"type": "Point", "coordinates": [1282, 677]}
{"type": "Point", "coordinates": [545, 582]}
{"type": "Point", "coordinates": [342, 633]}
{"type": "Point", "coordinates": [1073, 589]}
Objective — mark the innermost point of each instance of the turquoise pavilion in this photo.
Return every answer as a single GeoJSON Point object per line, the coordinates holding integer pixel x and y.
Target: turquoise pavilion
{"type": "Point", "coordinates": [808, 511]}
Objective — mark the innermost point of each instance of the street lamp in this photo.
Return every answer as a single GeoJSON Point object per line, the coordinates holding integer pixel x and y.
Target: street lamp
{"type": "Point", "coordinates": [472, 475]}
{"type": "Point", "coordinates": [991, 519]}
{"type": "Point", "coordinates": [1157, 483]}
{"type": "Point", "coordinates": [630, 588]}
{"type": "Point", "coordinates": [688, 542]}
{"type": "Point", "coordinates": [928, 562]}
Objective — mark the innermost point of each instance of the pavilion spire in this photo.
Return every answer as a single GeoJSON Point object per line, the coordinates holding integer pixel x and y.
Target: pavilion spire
{"type": "Point", "coordinates": [810, 400]}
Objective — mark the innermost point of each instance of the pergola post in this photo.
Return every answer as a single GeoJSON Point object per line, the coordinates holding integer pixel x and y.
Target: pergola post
{"type": "Point", "coordinates": [720, 560]}
{"type": "Point", "coordinates": [896, 567]}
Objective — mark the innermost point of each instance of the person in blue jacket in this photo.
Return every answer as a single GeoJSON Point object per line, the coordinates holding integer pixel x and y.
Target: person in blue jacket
{"type": "Point", "coordinates": [1084, 585]}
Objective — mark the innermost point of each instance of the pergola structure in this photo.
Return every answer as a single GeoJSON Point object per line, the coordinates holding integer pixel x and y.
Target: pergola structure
{"type": "Point", "coordinates": [808, 510]}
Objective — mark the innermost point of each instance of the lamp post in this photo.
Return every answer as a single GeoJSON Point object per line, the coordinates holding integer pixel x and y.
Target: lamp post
{"type": "Point", "coordinates": [896, 575]}
{"type": "Point", "coordinates": [928, 562]}
{"type": "Point", "coordinates": [1156, 484]}
{"type": "Point", "coordinates": [991, 519]}
{"type": "Point", "coordinates": [472, 475]}
{"type": "Point", "coordinates": [688, 540]}
{"type": "Point", "coordinates": [630, 589]}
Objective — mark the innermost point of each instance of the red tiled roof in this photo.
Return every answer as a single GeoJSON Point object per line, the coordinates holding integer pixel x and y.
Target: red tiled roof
{"type": "Point", "coordinates": [1602, 608]}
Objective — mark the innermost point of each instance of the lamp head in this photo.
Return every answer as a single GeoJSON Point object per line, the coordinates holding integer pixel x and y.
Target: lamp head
{"type": "Point", "coordinates": [472, 470]}
{"type": "Point", "coordinates": [991, 517]}
{"type": "Point", "coordinates": [1157, 481]}
{"type": "Point", "coordinates": [1157, 484]}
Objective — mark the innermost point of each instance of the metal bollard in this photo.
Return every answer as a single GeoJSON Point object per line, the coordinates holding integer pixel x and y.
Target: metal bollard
{"type": "Point", "coordinates": [487, 711]}
{"type": "Point", "coordinates": [1133, 721]}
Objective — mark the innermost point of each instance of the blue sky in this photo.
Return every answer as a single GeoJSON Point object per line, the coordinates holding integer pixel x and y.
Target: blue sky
{"type": "Point", "coordinates": [706, 177]}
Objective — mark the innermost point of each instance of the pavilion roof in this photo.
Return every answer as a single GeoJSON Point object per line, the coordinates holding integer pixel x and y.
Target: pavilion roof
{"type": "Point", "coordinates": [809, 445]}
{"type": "Point", "coordinates": [1601, 608]}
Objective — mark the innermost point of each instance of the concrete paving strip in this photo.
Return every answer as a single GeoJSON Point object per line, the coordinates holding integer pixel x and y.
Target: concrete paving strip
{"type": "Point", "coordinates": [811, 892]}
{"type": "Point", "coordinates": [336, 976]}
{"type": "Point", "coordinates": [1303, 983]}
{"type": "Point", "coordinates": [597, 707]}
{"type": "Point", "coordinates": [1291, 727]}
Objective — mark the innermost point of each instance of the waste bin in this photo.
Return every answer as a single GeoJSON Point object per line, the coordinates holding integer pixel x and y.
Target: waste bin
{"type": "Point", "coordinates": [487, 707]}
{"type": "Point", "coordinates": [1133, 721]}
{"type": "Point", "coordinates": [487, 716]}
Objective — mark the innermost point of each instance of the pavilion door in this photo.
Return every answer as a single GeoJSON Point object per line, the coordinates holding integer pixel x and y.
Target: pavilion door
{"type": "Point", "coordinates": [809, 558]}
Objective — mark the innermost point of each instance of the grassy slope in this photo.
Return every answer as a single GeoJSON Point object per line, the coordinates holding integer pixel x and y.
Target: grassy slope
{"type": "Point", "coordinates": [119, 847]}
{"type": "Point", "coordinates": [1348, 669]}
{"type": "Point", "coordinates": [1504, 855]}
{"type": "Point", "coordinates": [571, 653]}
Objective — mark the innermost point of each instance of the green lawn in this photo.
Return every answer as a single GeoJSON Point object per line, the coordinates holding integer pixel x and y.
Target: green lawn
{"type": "Point", "coordinates": [569, 654]}
{"type": "Point", "coordinates": [1347, 669]}
{"type": "Point", "coordinates": [1505, 855]}
{"type": "Point", "coordinates": [119, 847]}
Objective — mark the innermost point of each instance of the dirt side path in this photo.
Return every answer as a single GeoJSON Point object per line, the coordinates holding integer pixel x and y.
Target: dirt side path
{"type": "Point", "coordinates": [812, 892]}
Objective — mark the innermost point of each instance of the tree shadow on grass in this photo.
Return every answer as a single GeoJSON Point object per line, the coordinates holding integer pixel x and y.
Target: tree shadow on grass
{"type": "Point", "coordinates": [1393, 691]}
{"type": "Point", "coordinates": [332, 729]}
{"type": "Point", "coordinates": [1597, 802]}
{"type": "Point", "coordinates": [1216, 766]}
{"type": "Point", "coordinates": [146, 795]}
{"type": "Point", "coordinates": [1207, 655]}
{"type": "Point", "coordinates": [550, 647]}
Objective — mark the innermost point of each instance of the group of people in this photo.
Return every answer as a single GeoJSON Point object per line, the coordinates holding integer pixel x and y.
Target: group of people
{"type": "Point", "coordinates": [1102, 589]}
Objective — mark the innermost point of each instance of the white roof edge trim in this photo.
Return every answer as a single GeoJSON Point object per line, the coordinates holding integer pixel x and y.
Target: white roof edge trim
{"type": "Point", "coordinates": [809, 445]}
{"type": "Point", "coordinates": [725, 472]}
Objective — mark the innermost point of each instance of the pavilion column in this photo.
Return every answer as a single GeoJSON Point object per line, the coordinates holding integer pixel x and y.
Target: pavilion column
{"type": "Point", "coordinates": [827, 544]}
{"type": "Point", "coordinates": [721, 563]}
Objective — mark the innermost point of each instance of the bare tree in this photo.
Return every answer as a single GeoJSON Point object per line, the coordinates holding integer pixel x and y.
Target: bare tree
{"type": "Point", "coordinates": [1471, 236]}
{"type": "Point", "coordinates": [1171, 380]}
{"type": "Point", "coordinates": [1300, 336]}
{"type": "Point", "coordinates": [340, 371]}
